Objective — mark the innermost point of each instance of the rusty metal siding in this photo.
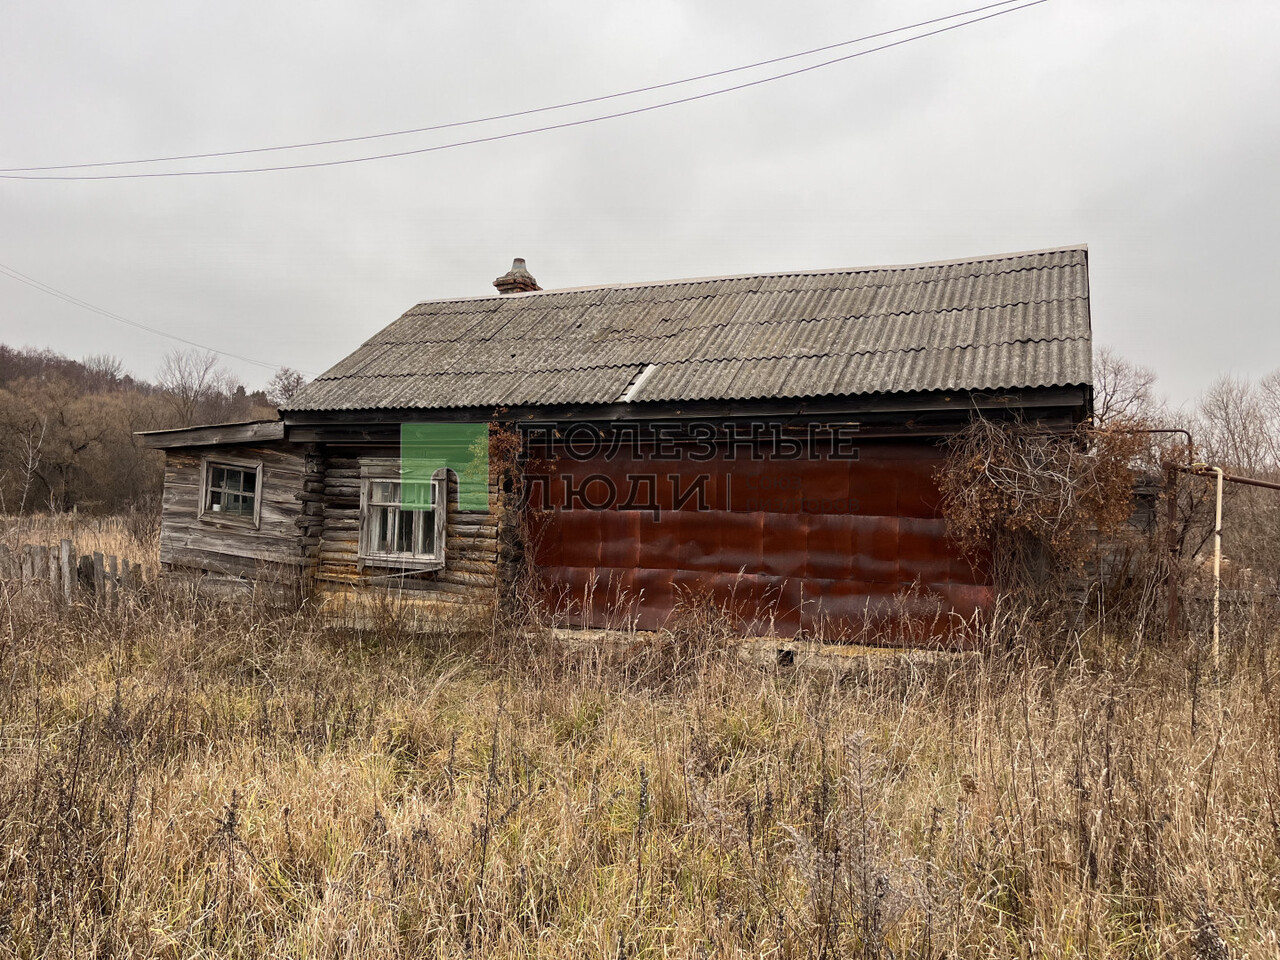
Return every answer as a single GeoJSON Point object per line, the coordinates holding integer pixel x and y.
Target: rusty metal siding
{"type": "Point", "coordinates": [758, 550]}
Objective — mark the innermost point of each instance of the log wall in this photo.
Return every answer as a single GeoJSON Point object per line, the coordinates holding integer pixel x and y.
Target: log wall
{"type": "Point", "coordinates": [470, 573]}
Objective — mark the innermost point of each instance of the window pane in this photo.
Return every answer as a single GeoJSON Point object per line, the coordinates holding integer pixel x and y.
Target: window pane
{"type": "Point", "coordinates": [379, 542]}
{"type": "Point", "coordinates": [428, 520]}
{"type": "Point", "coordinates": [215, 500]}
{"type": "Point", "coordinates": [219, 477]}
{"type": "Point", "coordinates": [384, 491]}
{"type": "Point", "coordinates": [404, 539]}
{"type": "Point", "coordinates": [418, 495]}
{"type": "Point", "coordinates": [250, 481]}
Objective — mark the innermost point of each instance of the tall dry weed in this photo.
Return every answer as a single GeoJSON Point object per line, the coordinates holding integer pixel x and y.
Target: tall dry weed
{"type": "Point", "coordinates": [179, 778]}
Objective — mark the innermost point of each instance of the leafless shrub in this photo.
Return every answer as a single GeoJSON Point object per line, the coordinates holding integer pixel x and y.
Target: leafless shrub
{"type": "Point", "coordinates": [1034, 506]}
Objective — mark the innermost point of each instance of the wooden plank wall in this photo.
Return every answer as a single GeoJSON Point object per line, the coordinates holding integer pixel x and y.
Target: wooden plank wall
{"type": "Point", "coordinates": [470, 573]}
{"type": "Point", "coordinates": [272, 551]}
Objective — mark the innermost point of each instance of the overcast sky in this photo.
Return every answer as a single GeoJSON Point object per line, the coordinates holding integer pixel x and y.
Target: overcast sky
{"type": "Point", "coordinates": [1148, 130]}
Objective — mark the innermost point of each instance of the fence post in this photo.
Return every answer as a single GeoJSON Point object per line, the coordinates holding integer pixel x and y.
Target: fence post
{"type": "Point", "coordinates": [99, 576]}
{"type": "Point", "coordinates": [65, 550]}
{"type": "Point", "coordinates": [113, 581]}
{"type": "Point", "coordinates": [51, 571]}
{"type": "Point", "coordinates": [84, 574]}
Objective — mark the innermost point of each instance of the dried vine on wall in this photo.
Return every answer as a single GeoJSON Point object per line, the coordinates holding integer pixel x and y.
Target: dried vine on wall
{"type": "Point", "coordinates": [1033, 504]}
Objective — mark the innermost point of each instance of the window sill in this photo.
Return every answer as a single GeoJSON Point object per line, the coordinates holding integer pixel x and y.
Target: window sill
{"type": "Point", "coordinates": [238, 523]}
{"type": "Point", "coordinates": [394, 563]}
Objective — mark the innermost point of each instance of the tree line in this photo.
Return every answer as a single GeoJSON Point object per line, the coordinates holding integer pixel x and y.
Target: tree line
{"type": "Point", "coordinates": [67, 427]}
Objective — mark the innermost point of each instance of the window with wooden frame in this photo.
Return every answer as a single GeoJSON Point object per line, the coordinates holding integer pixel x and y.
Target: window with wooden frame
{"type": "Point", "coordinates": [231, 491]}
{"type": "Point", "coordinates": [393, 534]}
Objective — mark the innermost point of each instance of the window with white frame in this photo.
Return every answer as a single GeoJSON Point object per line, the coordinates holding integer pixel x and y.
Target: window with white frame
{"type": "Point", "coordinates": [392, 532]}
{"type": "Point", "coordinates": [230, 490]}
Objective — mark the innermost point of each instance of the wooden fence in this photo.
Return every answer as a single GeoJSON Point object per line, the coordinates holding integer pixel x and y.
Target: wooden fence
{"type": "Point", "coordinates": [93, 576]}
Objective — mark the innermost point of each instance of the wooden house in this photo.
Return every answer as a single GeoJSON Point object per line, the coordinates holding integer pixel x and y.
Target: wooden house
{"type": "Point", "coordinates": [767, 443]}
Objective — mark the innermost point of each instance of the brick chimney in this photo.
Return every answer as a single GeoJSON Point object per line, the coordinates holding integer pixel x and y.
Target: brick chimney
{"type": "Point", "coordinates": [518, 280]}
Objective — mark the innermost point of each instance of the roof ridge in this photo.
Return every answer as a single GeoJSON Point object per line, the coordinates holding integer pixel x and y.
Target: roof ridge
{"type": "Point", "coordinates": [817, 272]}
{"type": "Point", "coordinates": [628, 336]}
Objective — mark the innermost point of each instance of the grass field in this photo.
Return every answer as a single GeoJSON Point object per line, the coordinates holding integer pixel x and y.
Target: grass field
{"type": "Point", "coordinates": [181, 781]}
{"type": "Point", "coordinates": [132, 537]}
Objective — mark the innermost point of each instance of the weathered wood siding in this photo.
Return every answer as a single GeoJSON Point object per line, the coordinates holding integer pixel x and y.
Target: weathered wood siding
{"type": "Point", "coordinates": [274, 549]}
{"type": "Point", "coordinates": [470, 573]}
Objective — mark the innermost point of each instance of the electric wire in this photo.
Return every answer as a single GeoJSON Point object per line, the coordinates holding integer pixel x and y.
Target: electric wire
{"type": "Point", "coordinates": [509, 116]}
{"type": "Point", "coordinates": [514, 133]}
{"type": "Point", "coordinates": [17, 275]}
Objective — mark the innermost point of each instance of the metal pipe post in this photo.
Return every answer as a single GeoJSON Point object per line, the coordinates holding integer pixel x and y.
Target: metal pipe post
{"type": "Point", "coordinates": [1217, 573]}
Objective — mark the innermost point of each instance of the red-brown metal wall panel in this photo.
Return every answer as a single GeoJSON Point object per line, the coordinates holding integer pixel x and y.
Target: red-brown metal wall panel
{"type": "Point", "coordinates": [805, 545]}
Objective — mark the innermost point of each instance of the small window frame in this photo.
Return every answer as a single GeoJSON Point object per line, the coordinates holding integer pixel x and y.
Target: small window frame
{"type": "Point", "coordinates": [388, 471]}
{"type": "Point", "coordinates": [206, 512]}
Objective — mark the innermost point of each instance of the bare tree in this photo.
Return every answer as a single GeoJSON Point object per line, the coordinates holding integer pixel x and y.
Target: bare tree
{"type": "Point", "coordinates": [191, 379]}
{"type": "Point", "coordinates": [1239, 422]}
{"type": "Point", "coordinates": [103, 370]}
{"type": "Point", "coordinates": [1123, 392]}
{"type": "Point", "coordinates": [282, 387]}
{"type": "Point", "coordinates": [30, 453]}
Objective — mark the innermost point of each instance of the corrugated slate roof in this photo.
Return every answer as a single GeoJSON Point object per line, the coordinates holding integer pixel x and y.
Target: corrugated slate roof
{"type": "Point", "coordinates": [1000, 322]}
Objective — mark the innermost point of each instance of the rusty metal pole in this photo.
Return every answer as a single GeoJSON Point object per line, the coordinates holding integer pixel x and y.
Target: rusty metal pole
{"type": "Point", "coordinates": [1171, 585]}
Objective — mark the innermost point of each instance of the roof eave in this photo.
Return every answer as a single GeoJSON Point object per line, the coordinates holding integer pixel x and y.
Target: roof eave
{"type": "Point", "coordinates": [214, 434]}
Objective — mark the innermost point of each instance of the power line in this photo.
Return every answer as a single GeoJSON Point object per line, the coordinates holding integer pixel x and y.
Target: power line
{"type": "Point", "coordinates": [16, 174]}
{"type": "Point", "coordinates": [508, 116]}
{"type": "Point", "coordinates": [13, 274]}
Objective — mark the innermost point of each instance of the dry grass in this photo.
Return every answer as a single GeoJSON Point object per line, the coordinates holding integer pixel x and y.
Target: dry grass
{"type": "Point", "coordinates": [133, 536]}
{"type": "Point", "coordinates": [186, 781]}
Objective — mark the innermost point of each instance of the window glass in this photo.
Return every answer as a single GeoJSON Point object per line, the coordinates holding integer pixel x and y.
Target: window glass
{"type": "Point", "coordinates": [231, 491]}
{"type": "Point", "coordinates": [417, 495]}
{"type": "Point", "coordinates": [409, 519]}
{"type": "Point", "coordinates": [428, 531]}
{"type": "Point", "coordinates": [388, 529]}
{"type": "Point", "coordinates": [381, 538]}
